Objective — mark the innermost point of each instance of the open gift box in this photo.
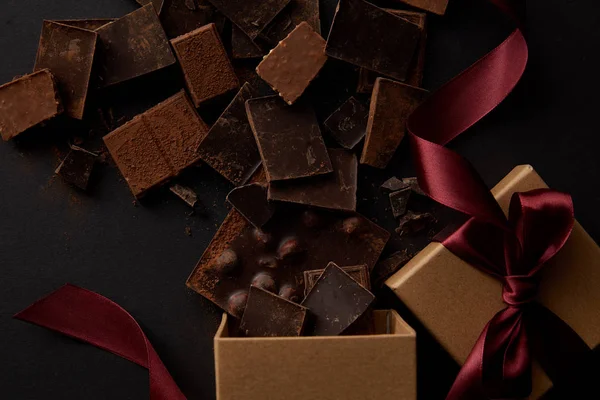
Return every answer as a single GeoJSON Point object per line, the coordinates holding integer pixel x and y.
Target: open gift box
{"type": "Point", "coordinates": [455, 300]}
{"type": "Point", "coordinates": [380, 366]}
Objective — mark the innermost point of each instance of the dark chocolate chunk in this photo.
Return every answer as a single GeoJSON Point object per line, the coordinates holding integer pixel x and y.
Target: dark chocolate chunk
{"type": "Point", "coordinates": [251, 16]}
{"type": "Point", "coordinates": [158, 4]}
{"type": "Point", "coordinates": [68, 53]}
{"type": "Point", "coordinates": [158, 144]}
{"type": "Point", "coordinates": [230, 147]}
{"type": "Point", "coordinates": [269, 315]}
{"type": "Point", "coordinates": [335, 191]}
{"type": "Point", "coordinates": [179, 17]}
{"type": "Point", "coordinates": [251, 201]}
{"type": "Point", "coordinates": [360, 273]}
{"type": "Point", "coordinates": [246, 73]}
{"type": "Point", "coordinates": [391, 104]}
{"type": "Point", "coordinates": [413, 222]}
{"type": "Point", "coordinates": [243, 47]}
{"type": "Point", "coordinates": [207, 70]}
{"type": "Point", "coordinates": [414, 185]}
{"type": "Point", "coordinates": [335, 302]}
{"type": "Point", "coordinates": [365, 35]}
{"type": "Point", "coordinates": [186, 194]}
{"type": "Point", "coordinates": [399, 201]}
{"type": "Point", "coordinates": [132, 46]}
{"type": "Point", "coordinates": [434, 6]}
{"type": "Point", "coordinates": [291, 66]}
{"type": "Point", "coordinates": [366, 78]}
{"type": "Point", "coordinates": [289, 139]}
{"type": "Point", "coordinates": [291, 248]}
{"type": "Point", "coordinates": [393, 185]}
{"type": "Point", "coordinates": [386, 268]}
{"type": "Point", "coordinates": [89, 24]}
{"type": "Point", "coordinates": [26, 102]}
{"type": "Point", "coordinates": [348, 124]}
{"type": "Point", "coordinates": [296, 12]}
{"type": "Point", "coordinates": [77, 167]}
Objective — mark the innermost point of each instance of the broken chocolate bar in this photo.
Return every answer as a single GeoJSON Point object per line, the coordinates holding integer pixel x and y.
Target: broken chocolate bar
{"type": "Point", "coordinates": [230, 147]}
{"type": "Point", "coordinates": [179, 17]}
{"type": "Point", "coordinates": [289, 139]}
{"type": "Point", "coordinates": [360, 273]}
{"type": "Point", "coordinates": [335, 302]}
{"type": "Point", "coordinates": [413, 222]}
{"type": "Point", "coordinates": [291, 66]}
{"type": "Point", "coordinates": [391, 104]}
{"type": "Point", "coordinates": [207, 70]}
{"type": "Point", "coordinates": [296, 12]}
{"type": "Point", "coordinates": [251, 16]}
{"type": "Point", "coordinates": [348, 124]}
{"type": "Point", "coordinates": [393, 185]}
{"type": "Point", "coordinates": [251, 201]}
{"type": "Point", "coordinates": [89, 24]}
{"type": "Point", "coordinates": [289, 244]}
{"type": "Point", "coordinates": [26, 102]}
{"type": "Point", "coordinates": [77, 167]}
{"type": "Point", "coordinates": [186, 194]}
{"type": "Point", "coordinates": [336, 191]}
{"type": "Point", "coordinates": [434, 6]}
{"type": "Point", "coordinates": [68, 53]}
{"type": "Point", "coordinates": [132, 46]}
{"type": "Point", "coordinates": [386, 268]}
{"type": "Point", "coordinates": [365, 35]}
{"type": "Point", "coordinates": [243, 47]}
{"type": "Point", "coordinates": [268, 315]}
{"type": "Point", "coordinates": [414, 185]}
{"type": "Point", "coordinates": [158, 144]}
{"type": "Point", "coordinates": [399, 201]}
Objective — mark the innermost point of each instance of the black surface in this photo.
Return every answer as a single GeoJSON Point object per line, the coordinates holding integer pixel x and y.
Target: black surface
{"type": "Point", "coordinates": [140, 257]}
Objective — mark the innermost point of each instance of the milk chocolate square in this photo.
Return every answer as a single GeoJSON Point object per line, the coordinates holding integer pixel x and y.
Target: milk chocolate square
{"type": "Point", "coordinates": [26, 102]}
{"type": "Point", "coordinates": [289, 139]}
{"type": "Point", "coordinates": [68, 52]}
{"type": "Point", "coordinates": [348, 124]}
{"type": "Point", "coordinates": [132, 46]}
{"type": "Point", "coordinates": [365, 35]}
{"type": "Point", "coordinates": [207, 70]}
{"type": "Point", "coordinates": [294, 63]}
{"type": "Point", "coordinates": [251, 16]}
{"type": "Point", "coordinates": [391, 104]}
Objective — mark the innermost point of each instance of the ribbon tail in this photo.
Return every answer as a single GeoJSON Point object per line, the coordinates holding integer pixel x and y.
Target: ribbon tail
{"type": "Point", "coordinates": [94, 319]}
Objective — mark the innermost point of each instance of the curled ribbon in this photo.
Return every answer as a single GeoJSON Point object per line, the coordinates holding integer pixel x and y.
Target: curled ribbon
{"type": "Point", "coordinates": [514, 250]}
{"type": "Point", "coordinates": [92, 318]}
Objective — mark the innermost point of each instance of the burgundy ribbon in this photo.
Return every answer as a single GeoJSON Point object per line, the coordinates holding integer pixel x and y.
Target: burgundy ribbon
{"type": "Point", "coordinates": [513, 250]}
{"type": "Point", "coordinates": [92, 318]}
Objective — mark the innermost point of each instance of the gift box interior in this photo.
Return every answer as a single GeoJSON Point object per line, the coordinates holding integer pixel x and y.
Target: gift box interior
{"type": "Point", "coordinates": [455, 300]}
{"type": "Point", "coordinates": [379, 366]}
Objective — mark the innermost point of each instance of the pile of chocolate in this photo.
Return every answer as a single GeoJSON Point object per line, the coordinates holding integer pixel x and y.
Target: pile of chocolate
{"type": "Point", "coordinates": [293, 256]}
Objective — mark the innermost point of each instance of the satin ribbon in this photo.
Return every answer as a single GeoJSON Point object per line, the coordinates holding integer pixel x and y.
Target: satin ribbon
{"type": "Point", "coordinates": [513, 250]}
{"type": "Point", "coordinates": [94, 319]}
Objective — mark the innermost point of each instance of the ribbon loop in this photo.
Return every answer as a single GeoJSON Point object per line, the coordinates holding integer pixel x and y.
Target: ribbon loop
{"type": "Point", "coordinates": [519, 290]}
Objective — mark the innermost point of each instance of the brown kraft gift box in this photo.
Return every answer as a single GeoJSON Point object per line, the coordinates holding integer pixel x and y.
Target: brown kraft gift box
{"type": "Point", "coordinates": [382, 366]}
{"type": "Point", "coordinates": [455, 300]}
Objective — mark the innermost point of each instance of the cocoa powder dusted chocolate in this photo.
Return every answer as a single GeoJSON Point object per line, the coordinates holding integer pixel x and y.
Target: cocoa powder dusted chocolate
{"type": "Point", "coordinates": [207, 70]}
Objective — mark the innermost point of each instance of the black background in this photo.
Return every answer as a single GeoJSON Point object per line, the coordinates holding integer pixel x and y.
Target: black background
{"type": "Point", "coordinates": [140, 257]}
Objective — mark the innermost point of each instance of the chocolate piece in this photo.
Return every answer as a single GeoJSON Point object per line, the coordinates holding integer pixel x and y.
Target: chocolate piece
{"type": "Point", "coordinates": [365, 35]}
{"type": "Point", "coordinates": [294, 63]}
{"type": "Point", "coordinates": [251, 201]}
{"type": "Point", "coordinates": [158, 4]}
{"type": "Point", "coordinates": [399, 201]}
{"type": "Point", "coordinates": [414, 185]}
{"type": "Point", "coordinates": [207, 70]}
{"type": "Point", "coordinates": [297, 247]}
{"type": "Point", "coordinates": [393, 185]}
{"type": "Point", "coordinates": [348, 124]}
{"type": "Point", "coordinates": [359, 273]}
{"type": "Point", "coordinates": [26, 102]}
{"type": "Point", "coordinates": [186, 194]}
{"type": "Point", "coordinates": [158, 144]}
{"type": "Point", "coordinates": [77, 167]}
{"type": "Point", "coordinates": [434, 6]}
{"type": "Point", "coordinates": [246, 73]}
{"type": "Point", "coordinates": [89, 24]}
{"type": "Point", "coordinates": [230, 147]}
{"type": "Point", "coordinates": [391, 104]}
{"type": "Point", "coordinates": [251, 16]}
{"type": "Point", "coordinates": [412, 223]}
{"type": "Point", "coordinates": [366, 78]}
{"type": "Point", "coordinates": [296, 12]}
{"type": "Point", "coordinates": [68, 53]}
{"type": "Point", "coordinates": [289, 139]}
{"type": "Point", "coordinates": [335, 302]}
{"type": "Point", "coordinates": [268, 315]}
{"type": "Point", "coordinates": [132, 46]}
{"type": "Point", "coordinates": [179, 17]}
{"type": "Point", "coordinates": [335, 191]}
{"type": "Point", "coordinates": [386, 268]}
{"type": "Point", "coordinates": [242, 46]}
